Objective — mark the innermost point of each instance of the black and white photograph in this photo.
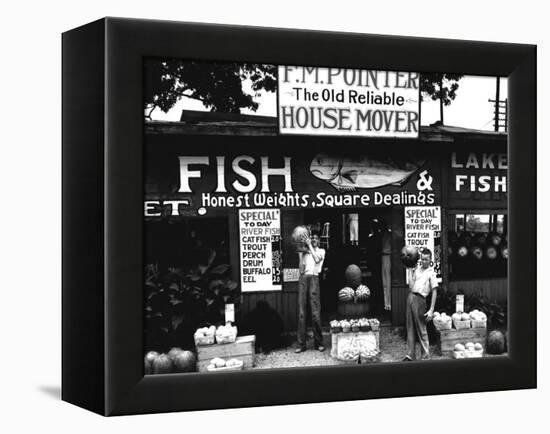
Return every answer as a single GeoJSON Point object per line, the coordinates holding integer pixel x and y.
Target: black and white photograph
{"type": "Point", "coordinates": [300, 216]}
{"type": "Point", "coordinates": [270, 217]}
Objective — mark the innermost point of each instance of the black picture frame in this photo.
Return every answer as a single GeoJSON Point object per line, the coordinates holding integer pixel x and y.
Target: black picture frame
{"type": "Point", "coordinates": [103, 216]}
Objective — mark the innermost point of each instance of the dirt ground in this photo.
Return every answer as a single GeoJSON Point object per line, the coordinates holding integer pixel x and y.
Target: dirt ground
{"type": "Point", "coordinates": [392, 347]}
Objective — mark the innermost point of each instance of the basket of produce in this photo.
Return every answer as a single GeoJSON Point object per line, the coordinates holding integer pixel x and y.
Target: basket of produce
{"type": "Point", "coordinates": [468, 351]}
{"type": "Point", "coordinates": [226, 334]}
{"type": "Point", "coordinates": [364, 325]}
{"type": "Point", "coordinates": [205, 336]}
{"type": "Point", "coordinates": [335, 326]}
{"type": "Point", "coordinates": [354, 325]}
{"type": "Point", "coordinates": [461, 321]}
{"type": "Point", "coordinates": [478, 319]}
{"type": "Point", "coordinates": [220, 365]}
{"type": "Point", "coordinates": [374, 324]}
{"type": "Point", "coordinates": [346, 326]}
{"type": "Point", "coordinates": [442, 321]}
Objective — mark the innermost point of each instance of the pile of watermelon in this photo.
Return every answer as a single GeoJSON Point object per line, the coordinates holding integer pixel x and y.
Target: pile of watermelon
{"type": "Point", "coordinates": [349, 295]}
{"type": "Point", "coordinates": [177, 360]}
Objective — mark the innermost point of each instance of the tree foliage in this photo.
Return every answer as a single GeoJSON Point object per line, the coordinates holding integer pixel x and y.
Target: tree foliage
{"type": "Point", "coordinates": [440, 86]}
{"type": "Point", "coordinates": [219, 86]}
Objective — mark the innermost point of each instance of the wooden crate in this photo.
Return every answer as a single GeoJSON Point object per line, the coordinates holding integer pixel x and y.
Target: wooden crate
{"type": "Point", "coordinates": [447, 339]}
{"type": "Point", "coordinates": [353, 310]}
{"type": "Point", "coordinates": [338, 339]}
{"type": "Point", "coordinates": [242, 349]}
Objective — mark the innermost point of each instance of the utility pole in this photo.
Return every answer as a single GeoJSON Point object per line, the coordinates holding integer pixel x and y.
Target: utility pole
{"type": "Point", "coordinates": [441, 99]}
{"type": "Point", "coordinates": [497, 97]}
{"type": "Point", "coordinates": [501, 110]}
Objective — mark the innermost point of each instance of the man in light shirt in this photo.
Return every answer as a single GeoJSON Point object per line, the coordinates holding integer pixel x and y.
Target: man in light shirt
{"type": "Point", "coordinates": [422, 282]}
{"type": "Point", "coordinates": [311, 264]}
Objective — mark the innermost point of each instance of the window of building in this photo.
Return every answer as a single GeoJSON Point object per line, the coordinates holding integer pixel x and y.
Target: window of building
{"type": "Point", "coordinates": [477, 245]}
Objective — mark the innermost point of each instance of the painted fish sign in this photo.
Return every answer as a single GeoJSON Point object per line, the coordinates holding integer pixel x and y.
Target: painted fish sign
{"type": "Point", "coordinates": [202, 184]}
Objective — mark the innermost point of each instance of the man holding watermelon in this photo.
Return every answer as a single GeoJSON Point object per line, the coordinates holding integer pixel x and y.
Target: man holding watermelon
{"type": "Point", "coordinates": [422, 283]}
{"type": "Point", "coordinates": [311, 264]}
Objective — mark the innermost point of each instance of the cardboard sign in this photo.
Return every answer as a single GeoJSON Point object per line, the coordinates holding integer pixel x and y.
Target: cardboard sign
{"type": "Point", "coordinates": [423, 230]}
{"type": "Point", "coordinates": [260, 249]}
{"type": "Point", "coordinates": [229, 312]}
{"type": "Point", "coordinates": [291, 274]}
{"type": "Point", "coordinates": [459, 303]}
{"type": "Point", "coordinates": [352, 345]}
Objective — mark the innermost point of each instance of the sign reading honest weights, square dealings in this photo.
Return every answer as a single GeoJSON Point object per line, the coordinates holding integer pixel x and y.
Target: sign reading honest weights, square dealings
{"type": "Point", "coordinates": [348, 102]}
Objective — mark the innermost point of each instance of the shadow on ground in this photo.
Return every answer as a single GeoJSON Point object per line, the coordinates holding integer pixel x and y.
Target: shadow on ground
{"type": "Point", "coordinates": [51, 391]}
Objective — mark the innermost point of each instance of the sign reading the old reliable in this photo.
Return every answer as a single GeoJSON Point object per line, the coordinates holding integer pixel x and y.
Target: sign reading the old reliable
{"type": "Point", "coordinates": [348, 102]}
{"type": "Point", "coordinates": [260, 247]}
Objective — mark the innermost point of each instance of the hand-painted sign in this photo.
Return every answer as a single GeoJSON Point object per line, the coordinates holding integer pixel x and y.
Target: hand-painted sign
{"type": "Point", "coordinates": [423, 230]}
{"type": "Point", "coordinates": [201, 184]}
{"type": "Point", "coordinates": [260, 249]}
{"type": "Point", "coordinates": [348, 102]}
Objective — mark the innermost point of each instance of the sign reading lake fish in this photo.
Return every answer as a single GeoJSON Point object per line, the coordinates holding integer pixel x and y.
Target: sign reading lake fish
{"type": "Point", "coordinates": [348, 102]}
{"type": "Point", "coordinates": [260, 247]}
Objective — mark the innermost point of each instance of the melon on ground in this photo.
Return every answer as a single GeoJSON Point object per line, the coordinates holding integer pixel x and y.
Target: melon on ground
{"type": "Point", "coordinates": [496, 342]}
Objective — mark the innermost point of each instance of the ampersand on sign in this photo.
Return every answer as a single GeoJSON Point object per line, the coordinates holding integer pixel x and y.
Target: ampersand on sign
{"type": "Point", "coordinates": [424, 182]}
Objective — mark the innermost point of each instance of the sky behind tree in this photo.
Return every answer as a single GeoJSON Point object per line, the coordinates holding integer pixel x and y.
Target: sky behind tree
{"type": "Point", "coordinates": [470, 109]}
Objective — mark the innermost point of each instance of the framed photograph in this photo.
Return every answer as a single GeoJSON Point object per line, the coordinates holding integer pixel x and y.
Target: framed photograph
{"type": "Point", "coordinates": [257, 216]}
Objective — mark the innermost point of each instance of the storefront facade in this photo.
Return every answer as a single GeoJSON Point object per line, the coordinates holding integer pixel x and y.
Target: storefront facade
{"type": "Point", "coordinates": [242, 196]}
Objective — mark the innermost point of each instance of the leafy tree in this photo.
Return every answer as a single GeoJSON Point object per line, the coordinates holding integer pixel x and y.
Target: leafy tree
{"type": "Point", "coordinates": [217, 85]}
{"type": "Point", "coordinates": [440, 86]}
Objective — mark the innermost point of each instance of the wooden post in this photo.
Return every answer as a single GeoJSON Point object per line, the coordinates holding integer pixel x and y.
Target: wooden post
{"type": "Point", "coordinates": [497, 104]}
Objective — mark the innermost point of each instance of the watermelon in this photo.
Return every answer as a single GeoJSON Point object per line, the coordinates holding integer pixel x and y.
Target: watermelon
{"type": "Point", "coordinates": [184, 361]}
{"type": "Point", "coordinates": [148, 361]}
{"type": "Point", "coordinates": [346, 294]}
{"type": "Point", "coordinates": [174, 352]}
{"type": "Point", "coordinates": [496, 342]}
{"type": "Point", "coordinates": [353, 276]}
{"type": "Point", "coordinates": [362, 293]}
{"type": "Point", "coordinates": [297, 234]}
{"type": "Point", "coordinates": [162, 365]}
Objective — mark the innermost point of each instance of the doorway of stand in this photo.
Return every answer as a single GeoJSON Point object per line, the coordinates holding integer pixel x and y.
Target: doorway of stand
{"type": "Point", "coordinates": [353, 236]}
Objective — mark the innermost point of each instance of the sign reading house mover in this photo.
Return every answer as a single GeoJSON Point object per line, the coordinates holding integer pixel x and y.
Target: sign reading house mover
{"type": "Point", "coordinates": [348, 102]}
{"type": "Point", "coordinates": [260, 249]}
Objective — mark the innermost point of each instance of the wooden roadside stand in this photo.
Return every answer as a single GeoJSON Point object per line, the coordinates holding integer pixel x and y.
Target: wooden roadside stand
{"type": "Point", "coordinates": [242, 349]}
{"type": "Point", "coordinates": [447, 339]}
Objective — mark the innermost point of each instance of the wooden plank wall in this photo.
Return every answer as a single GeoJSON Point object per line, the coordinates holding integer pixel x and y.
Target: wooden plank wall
{"type": "Point", "coordinates": [495, 290]}
{"type": "Point", "coordinates": [285, 302]}
{"type": "Point", "coordinates": [398, 303]}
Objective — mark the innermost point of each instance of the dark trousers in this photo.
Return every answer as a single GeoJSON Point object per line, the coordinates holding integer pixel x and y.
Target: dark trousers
{"type": "Point", "coordinates": [308, 289]}
{"type": "Point", "coordinates": [416, 326]}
